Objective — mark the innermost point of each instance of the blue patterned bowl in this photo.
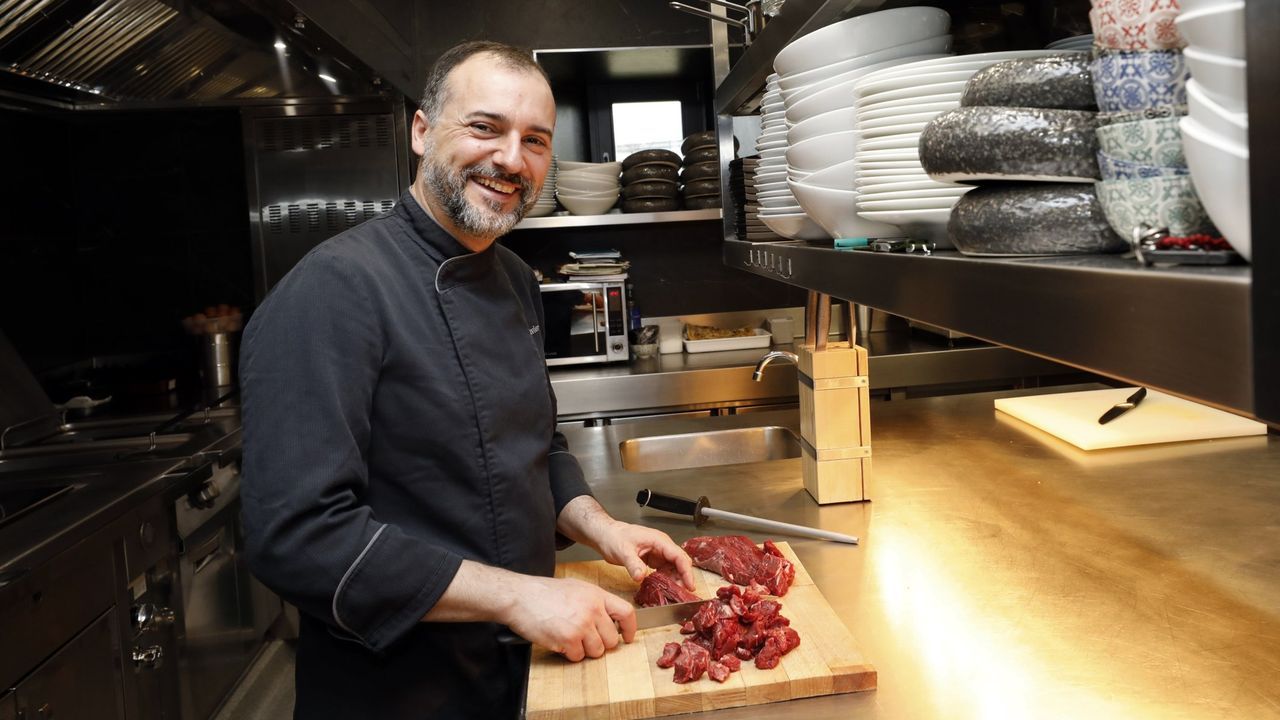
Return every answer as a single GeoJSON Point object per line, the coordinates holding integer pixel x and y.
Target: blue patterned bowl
{"type": "Point", "coordinates": [1136, 80]}
{"type": "Point", "coordinates": [1149, 142]}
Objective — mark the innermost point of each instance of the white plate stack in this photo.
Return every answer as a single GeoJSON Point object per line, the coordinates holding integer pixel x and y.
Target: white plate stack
{"type": "Point", "coordinates": [546, 202]}
{"type": "Point", "coordinates": [586, 188]}
{"type": "Point", "coordinates": [1076, 42]}
{"type": "Point", "coordinates": [892, 107]}
{"type": "Point", "coordinates": [778, 207]}
{"type": "Point", "coordinates": [1215, 132]}
{"type": "Point", "coordinates": [817, 74]}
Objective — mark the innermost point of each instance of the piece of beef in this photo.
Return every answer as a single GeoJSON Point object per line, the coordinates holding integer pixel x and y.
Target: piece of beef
{"type": "Point", "coordinates": [718, 671]}
{"type": "Point", "coordinates": [733, 662]}
{"type": "Point", "coordinates": [745, 653]}
{"type": "Point", "coordinates": [738, 560]}
{"type": "Point", "coordinates": [705, 617]}
{"type": "Point", "coordinates": [692, 662]}
{"type": "Point", "coordinates": [687, 628]}
{"type": "Point", "coordinates": [770, 655]}
{"type": "Point", "coordinates": [725, 637]}
{"type": "Point", "coordinates": [659, 588]}
{"type": "Point", "coordinates": [784, 637]}
{"type": "Point", "coordinates": [669, 653]}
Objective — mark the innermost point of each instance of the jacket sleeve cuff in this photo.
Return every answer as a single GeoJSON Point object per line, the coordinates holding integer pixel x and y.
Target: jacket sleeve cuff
{"type": "Point", "coordinates": [390, 586]}
{"type": "Point", "coordinates": [567, 483]}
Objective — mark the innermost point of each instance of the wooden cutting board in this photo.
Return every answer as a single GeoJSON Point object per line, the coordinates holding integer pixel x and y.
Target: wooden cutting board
{"type": "Point", "coordinates": [1159, 418]}
{"type": "Point", "coordinates": [626, 683]}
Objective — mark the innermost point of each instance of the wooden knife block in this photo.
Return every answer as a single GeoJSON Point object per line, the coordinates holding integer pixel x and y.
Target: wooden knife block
{"type": "Point", "coordinates": [835, 423]}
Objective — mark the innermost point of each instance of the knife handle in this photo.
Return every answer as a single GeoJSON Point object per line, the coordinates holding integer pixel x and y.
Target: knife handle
{"type": "Point", "coordinates": [674, 504]}
{"type": "Point", "coordinates": [506, 637]}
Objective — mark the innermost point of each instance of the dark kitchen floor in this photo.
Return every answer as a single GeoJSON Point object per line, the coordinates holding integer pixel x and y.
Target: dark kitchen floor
{"type": "Point", "coordinates": [266, 690]}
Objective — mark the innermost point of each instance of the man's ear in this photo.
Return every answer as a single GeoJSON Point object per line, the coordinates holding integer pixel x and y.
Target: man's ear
{"type": "Point", "coordinates": [418, 133]}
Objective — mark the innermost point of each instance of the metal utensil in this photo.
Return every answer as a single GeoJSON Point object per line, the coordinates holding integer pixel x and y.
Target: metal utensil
{"type": "Point", "coordinates": [660, 615]}
{"type": "Point", "coordinates": [1119, 409]}
{"type": "Point", "coordinates": [701, 509]}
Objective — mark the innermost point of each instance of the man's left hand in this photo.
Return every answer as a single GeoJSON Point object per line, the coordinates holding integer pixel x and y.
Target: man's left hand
{"type": "Point", "coordinates": [634, 547]}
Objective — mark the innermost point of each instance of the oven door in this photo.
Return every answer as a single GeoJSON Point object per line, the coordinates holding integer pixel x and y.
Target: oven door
{"type": "Point", "coordinates": [585, 323]}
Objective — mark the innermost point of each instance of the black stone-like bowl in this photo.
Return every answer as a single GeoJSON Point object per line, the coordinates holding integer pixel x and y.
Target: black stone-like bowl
{"type": "Point", "coordinates": [1053, 81]}
{"type": "Point", "coordinates": [1021, 219]}
{"type": "Point", "coordinates": [1010, 143]}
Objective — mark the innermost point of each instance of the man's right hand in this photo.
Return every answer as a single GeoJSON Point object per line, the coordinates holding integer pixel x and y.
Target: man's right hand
{"type": "Point", "coordinates": [571, 617]}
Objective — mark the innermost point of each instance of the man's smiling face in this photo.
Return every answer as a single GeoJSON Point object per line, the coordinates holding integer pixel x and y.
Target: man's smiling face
{"type": "Point", "coordinates": [486, 156]}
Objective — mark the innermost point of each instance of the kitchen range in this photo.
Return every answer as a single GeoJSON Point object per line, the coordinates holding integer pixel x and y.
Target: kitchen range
{"type": "Point", "coordinates": [122, 589]}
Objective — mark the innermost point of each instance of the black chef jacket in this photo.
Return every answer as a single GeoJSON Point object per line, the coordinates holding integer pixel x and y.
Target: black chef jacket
{"type": "Point", "coordinates": [398, 418]}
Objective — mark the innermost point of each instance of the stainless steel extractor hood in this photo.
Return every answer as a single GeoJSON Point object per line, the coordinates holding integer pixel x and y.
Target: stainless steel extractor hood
{"type": "Point", "coordinates": [139, 52]}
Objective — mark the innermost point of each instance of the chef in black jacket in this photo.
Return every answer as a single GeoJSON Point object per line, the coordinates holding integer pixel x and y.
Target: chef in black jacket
{"type": "Point", "coordinates": [404, 483]}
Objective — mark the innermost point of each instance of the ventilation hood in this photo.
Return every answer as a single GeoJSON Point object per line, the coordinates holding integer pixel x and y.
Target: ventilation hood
{"type": "Point", "coordinates": [95, 53]}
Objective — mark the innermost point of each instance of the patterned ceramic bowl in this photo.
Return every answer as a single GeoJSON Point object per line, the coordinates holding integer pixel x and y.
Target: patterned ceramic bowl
{"type": "Point", "coordinates": [1127, 81]}
{"type": "Point", "coordinates": [1159, 202]}
{"type": "Point", "coordinates": [1152, 113]}
{"type": "Point", "coordinates": [1115, 169]}
{"type": "Point", "coordinates": [1146, 142]}
{"type": "Point", "coordinates": [1136, 24]}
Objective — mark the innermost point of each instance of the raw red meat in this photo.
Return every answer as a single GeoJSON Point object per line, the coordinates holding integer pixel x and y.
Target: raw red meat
{"type": "Point", "coordinates": [770, 655]}
{"type": "Point", "coordinates": [659, 588]}
{"type": "Point", "coordinates": [728, 630]}
{"type": "Point", "coordinates": [692, 661]}
{"type": "Point", "coordinates": [669, 653]}
{"type": "Point", "coordinates": [738, 560]}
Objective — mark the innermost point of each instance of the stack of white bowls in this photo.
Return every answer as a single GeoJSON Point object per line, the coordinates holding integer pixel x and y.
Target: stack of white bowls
{"type": "Point", "coordinates": [891, 108]}
{"type": "Point", "coordinates": [588, 188]}
{"type": "Point", "coordinates": [1215, 133]}
{"type": "Point", "coordinates": [778, 207]}
{"type": "Point", "coordinates": [546, 202]}
{"type": "Point", "coordinates": [817, 74]}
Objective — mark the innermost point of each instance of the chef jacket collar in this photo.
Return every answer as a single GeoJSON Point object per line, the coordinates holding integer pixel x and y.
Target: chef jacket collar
{"type": "Point", "coordinates": [428, 233]}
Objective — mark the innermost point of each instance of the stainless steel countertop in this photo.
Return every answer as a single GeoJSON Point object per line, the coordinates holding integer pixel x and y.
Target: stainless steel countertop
{"type": "Point", "coordinates": [1005, 574]}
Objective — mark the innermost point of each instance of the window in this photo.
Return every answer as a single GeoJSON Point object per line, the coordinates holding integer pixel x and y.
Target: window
{"type": "Point", "coordinates": [647, 125]}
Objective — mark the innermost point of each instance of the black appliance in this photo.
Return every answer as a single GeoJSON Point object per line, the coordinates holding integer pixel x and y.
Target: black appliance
{"type": "Point", "coordinates": [586, 322]}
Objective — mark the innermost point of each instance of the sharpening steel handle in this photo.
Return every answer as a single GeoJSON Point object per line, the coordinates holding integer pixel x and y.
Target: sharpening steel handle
{"type": "Point", "coordinates": [673, 504]}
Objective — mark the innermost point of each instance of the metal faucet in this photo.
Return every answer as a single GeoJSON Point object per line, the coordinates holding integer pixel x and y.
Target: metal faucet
{"type": "Point", "coordinates": [770, 357]}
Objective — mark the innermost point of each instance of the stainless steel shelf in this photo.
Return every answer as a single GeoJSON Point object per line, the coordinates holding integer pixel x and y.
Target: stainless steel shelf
{"type": "Point", "coordinates": [1184, 330]}
{"type": "Point", "coordinates": [574, 221]}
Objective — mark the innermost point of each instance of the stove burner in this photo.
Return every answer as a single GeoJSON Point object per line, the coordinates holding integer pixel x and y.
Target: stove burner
{"type": "Point", "coordinates": [20, 501]}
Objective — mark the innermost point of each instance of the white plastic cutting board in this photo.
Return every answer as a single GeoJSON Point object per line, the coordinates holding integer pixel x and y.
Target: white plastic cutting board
{"type": "Point", "coordinates": [1159, 418]}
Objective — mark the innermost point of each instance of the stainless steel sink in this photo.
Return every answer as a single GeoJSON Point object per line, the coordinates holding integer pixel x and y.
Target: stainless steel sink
{"type": "Point", "coordinates": [717, 447]}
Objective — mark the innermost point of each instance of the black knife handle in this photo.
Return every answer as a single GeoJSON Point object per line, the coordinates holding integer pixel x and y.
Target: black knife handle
{"type": "Point", "coordinates": [674, 504]}
{"type": "Point", "coordinates": [506, 637]}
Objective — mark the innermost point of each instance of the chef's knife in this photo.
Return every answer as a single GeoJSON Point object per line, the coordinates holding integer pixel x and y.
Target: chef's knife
{"type": "Point", "coordinates": [701, 509]}
{"type": "Point", "coordinates": [1119, 409]}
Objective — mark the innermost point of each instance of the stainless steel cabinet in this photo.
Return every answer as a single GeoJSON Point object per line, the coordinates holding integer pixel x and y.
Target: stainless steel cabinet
{"type": "Point", "coordinates": [80, 681]}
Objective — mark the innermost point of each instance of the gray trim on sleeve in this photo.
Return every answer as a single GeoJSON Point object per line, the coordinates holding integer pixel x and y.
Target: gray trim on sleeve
{"type": "Point", "coordinates": [347, 576]}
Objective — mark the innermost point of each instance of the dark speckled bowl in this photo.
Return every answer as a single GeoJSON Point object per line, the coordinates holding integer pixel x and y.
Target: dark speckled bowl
{"type": "Point", "coordinates": [1054, 81]}
{"type": "Point", "coordinates": [1032, 219]}
{"type": "Point", "coordinates": [1008, 143]}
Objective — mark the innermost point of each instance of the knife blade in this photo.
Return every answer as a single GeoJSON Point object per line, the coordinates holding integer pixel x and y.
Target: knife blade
{"type": "Point", "coordinates": [659, 615]}
{"type": "Point", "coordinates": [1119, 409]}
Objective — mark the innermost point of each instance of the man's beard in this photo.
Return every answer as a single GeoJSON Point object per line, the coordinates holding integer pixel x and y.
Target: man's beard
{"type": "Point", "coordinates": [449, 188]}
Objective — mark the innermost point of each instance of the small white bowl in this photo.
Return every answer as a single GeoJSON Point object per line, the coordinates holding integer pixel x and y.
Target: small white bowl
{"type": "Point", "coordinates": [608, 168]}
{"type": "Point", "coordinates": [836, 211]}
{"type": "Point", "coordinates": [823, 101]}
{"type": "Point", "coordinates": [1215, 118]}
{"type": "Point", "coordinates": [861, 35]}
{"type": "Point", "coordinates": [795, 226]}
{"type": "Point", "coordinates": [861, 70]}
{"type": "Point", "coordinates": [588, 206]}
{"type": "Point", "coordinates": [828, 122]}
{"type": "Point", "coordinates": [581, 195]}
{"type": "Point", "coordinates": [840, 176]}
{"type": "Point", "coordinates": [1218, 30]}
{"type": "Point", "coordinates": [936, 45]}
{"type": "Point", "coordinates": [586, 181]}
{"type": "Point", "coordinates": [1222, 78]}
{"type": "Point", "coordinates": [1220, 173]}
{"type": "Point", "coordinates": [823, 151]}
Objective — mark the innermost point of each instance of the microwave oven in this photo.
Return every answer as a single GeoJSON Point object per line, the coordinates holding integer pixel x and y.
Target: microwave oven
{"type": "Point", "coordinates": [586, 322]}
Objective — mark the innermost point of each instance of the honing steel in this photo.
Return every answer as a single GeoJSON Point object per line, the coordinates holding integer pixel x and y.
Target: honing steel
{"type": "Point", "coordinates": [701, 509]}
